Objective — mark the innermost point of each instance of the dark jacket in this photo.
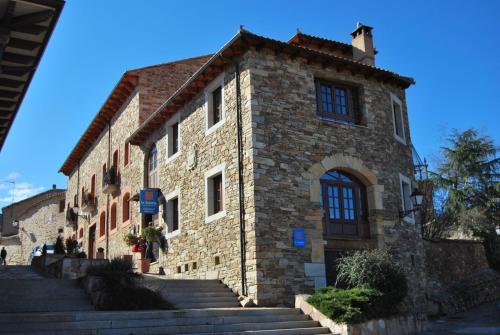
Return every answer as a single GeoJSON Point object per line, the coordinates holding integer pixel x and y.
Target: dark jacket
{"type": "Point", "coordinates": [3, 254]}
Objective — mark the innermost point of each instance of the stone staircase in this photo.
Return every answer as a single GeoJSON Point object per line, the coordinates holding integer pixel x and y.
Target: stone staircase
{"type": "Point", "coordinates": [23, 290]}
{"type": "Point", "coordinates": [31, 304]}
{"type": "Point", "coordinates": [192, 293]}
{"type": "Point", "coordinates": [224, 321]}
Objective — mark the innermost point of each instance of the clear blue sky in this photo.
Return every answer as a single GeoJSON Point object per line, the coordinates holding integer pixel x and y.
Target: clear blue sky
{"type": "Point", "coordinates": [451, 48]}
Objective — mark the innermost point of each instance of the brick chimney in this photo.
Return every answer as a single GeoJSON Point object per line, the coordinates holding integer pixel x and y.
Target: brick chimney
{"type": "Point", "coordinates": [53, 186]}
{"type": "Point", "coordinates": [362, 42]}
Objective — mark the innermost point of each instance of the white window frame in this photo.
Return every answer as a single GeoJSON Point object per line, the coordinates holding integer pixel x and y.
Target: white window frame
{"type": "Point", "coordinates": [209, 126]}
{"type": "Point", "coordinates": [410, 218]}
{"type": "Point", "coordinates": [176, 118]}
{"type": "Point", "coordinates": [395, 99]}
{"type": "Point", "coordinates": [169, 216]}
{"type": "Point", "coordinates": [215, 171]}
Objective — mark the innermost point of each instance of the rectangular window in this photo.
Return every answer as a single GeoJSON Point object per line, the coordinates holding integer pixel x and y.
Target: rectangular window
{"type": "Point", "coordinates": [397, 119]}
{"type": "Point", "coordinates": [175, 214]}
{"type": "Point", "coordinates": [217, 105]}
{"type": "Point", "coordinates": [172, 218]}
{"type": "Point", "coordinates": [175, 138]}
{"type": "Point", "coordinates": [214, 191]}
{"type": "Point", "coordinates": [62, 204]}
{"type": "Point", "coordinates": [218, 194]}
{"type": "Point", "coordinates": [336, 101]}
{"type": "Point", "coordinates": [406, 204]}
{"type": "Point", "coordinates": [214, 97]}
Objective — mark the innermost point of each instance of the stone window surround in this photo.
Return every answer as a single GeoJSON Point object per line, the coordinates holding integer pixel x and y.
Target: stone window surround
{"type": "Point", "coordinates": [114, 202]}
{"type": "Point", "coordinates": [395, 99]}
{"type": "Point", "coordinates": [126, 190]}
{"type": "Point", "coordinates": [176, 118]}
{"type": "Point", "coordinates": [101, 237]}
{"type": "Point", "coordinates": [216, 170]}
{"type": "Point", "coordinates": [404, 179]}
{"type": "Point", "coordinates": [172, 195]}
{"type": "Point", "coordinates": [210, 128]}
{"type": "Point", "coordinates": [350, 164]}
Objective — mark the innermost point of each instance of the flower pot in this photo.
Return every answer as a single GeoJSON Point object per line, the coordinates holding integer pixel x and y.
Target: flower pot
{"type": "Point", "coordinates": [127, 258]}
{"type": "Point", "coordinates": [138, 248]}
{"type": "Point", "coordinates": [99, 255]}
{"type": "Point", "coordinates": [144, 265]}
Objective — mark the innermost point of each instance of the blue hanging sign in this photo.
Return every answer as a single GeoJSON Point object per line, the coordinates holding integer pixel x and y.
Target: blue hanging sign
{"type": "Point", "coordinates": [149, 201]}
{"type": "Point", "coordinates": [299, 238]}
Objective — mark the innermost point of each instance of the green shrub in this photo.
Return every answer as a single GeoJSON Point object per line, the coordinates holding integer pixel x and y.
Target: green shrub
{"type": "Point", "coordinates": [347, 306]}
{"type": "Point", "coordinates": [130, 239]}
{"type": "Point", "coordinates": [377, 270]}
{"type": "Point", "coordinates": [121, 290]}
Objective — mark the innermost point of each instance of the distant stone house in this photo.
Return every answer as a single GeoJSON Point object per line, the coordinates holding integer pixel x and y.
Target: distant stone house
{"type": "Point", "coordinates": [32, 222]}
{"type": "Point", "coordinates": [271, 159]}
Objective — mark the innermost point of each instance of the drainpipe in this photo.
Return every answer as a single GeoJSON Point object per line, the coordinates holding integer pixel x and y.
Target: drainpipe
{"type": "Point", "coordinates": [78, 202]}
{"type": "Point", "coordinates": [107, 195]}
{"type": "Point", "coordinates": [240, 180]}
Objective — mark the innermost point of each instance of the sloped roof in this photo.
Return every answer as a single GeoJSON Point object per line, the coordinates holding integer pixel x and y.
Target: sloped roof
{"type": "Point", "coordinates": [156, 83]}
{"type": "Point", "coordinates": [235, 48]}
{"type": "Point", "coordinates": [25, 30]}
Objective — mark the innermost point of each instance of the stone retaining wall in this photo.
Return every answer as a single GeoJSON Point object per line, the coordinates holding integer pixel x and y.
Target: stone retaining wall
{"type": "Point", "coordinates": [399, 325]}
{"type": "Point", "coordinates": [449, 261]}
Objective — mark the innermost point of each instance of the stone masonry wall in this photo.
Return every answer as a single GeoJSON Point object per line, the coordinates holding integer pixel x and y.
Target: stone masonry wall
{"type": "Point", "coordinates": [38, 225]}
{"type": "Point", "coordinates": [293, 147]}
{"type": "Point", "coordinates": [122, 125]}
{"type": "Point", "coordinates": [199, 241]}
{"type": "Point", "coordinates": [449, 261]}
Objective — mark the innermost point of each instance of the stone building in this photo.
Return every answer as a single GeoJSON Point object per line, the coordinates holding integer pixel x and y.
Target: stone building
{"type": "Point", "coordinates": [271, 158]}
{"type": "Point", "coordinates": [32, 222]}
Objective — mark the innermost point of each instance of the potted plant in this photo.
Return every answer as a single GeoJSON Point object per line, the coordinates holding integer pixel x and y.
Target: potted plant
{"type": "Point", "coordinates": [144, 264]}
{"type": "Point", "coordinates": [133, 241]}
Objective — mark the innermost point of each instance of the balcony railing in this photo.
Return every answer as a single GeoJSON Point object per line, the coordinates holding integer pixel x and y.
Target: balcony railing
{"type": "Point", "coordinates": [110, 182]}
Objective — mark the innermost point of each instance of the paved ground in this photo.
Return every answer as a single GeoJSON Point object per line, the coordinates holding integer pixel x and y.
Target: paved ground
{"type": "Point", "coordinates": [482, 320]}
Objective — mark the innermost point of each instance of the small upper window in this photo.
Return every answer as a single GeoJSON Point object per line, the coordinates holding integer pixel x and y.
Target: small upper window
{"type": "Point", "coordinates": [217, 105]}
{"type": "Point", "coordinates": [336, 101]}
{"type": "Point", "coordinates": [173, 137]}
{"type": "Point", "coordinates": [214, 95]}
{"type": "Point", "coordinates": [397, 119]}
{"type": "Point", "coordinates": [62, 204]}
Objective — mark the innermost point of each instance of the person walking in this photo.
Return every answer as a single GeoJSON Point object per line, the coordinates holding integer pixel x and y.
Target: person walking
{"type": "Point", "coordinates": [3, 255]}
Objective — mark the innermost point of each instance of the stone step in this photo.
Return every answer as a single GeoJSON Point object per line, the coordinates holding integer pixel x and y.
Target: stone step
{"type": "Point", "coordinates": [199, 305]}
{"type": "Point", "coordinates": [152, 314]}
{"type": "Point", "coordinates": [184, 295]}
{"type": "Point", "coordinates": [133, 323]}
{"type": "Point", "coordinates": [199, 299]}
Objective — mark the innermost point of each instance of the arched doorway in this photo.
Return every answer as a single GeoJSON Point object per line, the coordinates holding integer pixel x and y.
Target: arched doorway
{"type": "Point", "coordinates": [345, 215]}
{"type": "Point", "coordinates": [343, 199]}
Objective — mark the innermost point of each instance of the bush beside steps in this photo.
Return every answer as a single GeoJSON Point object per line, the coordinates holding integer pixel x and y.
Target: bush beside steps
{"type": "Point", "coordinates": [373, 285]}
{"type": "Point", "coordinates": [112, 286]}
